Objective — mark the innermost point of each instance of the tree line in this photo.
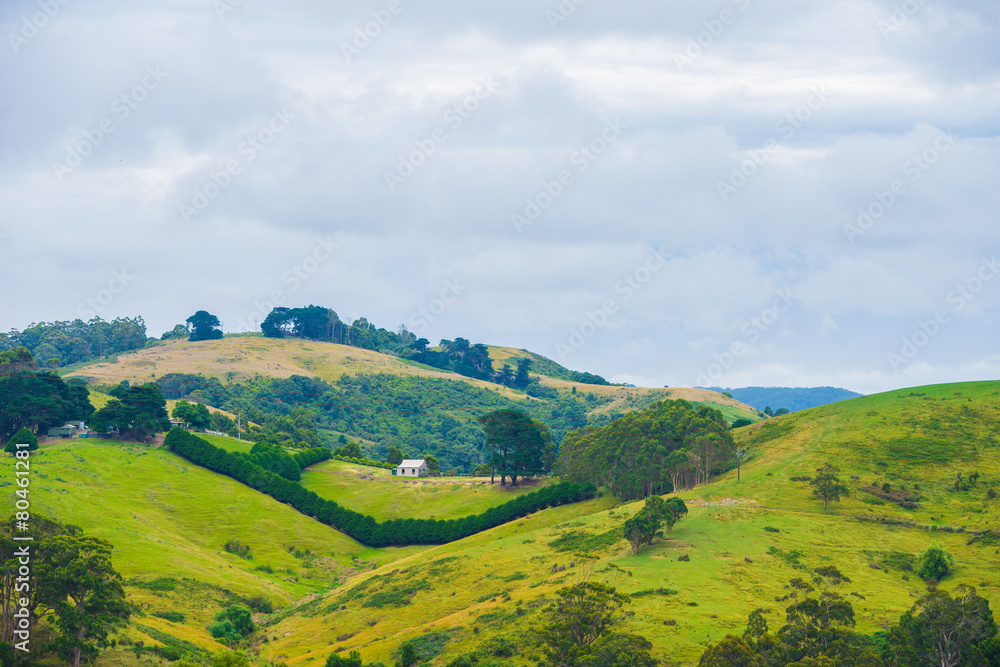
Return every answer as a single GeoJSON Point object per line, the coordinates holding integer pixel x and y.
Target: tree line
{"type": "Point", "coordinates": [459, 355]}
{"type": "Point", "coordinates": [361, 527]}
{"type": "Point", "coordinates": [70, 342]}
{"type": "Point", "coordinates": [35, 399]}
{"type": "Point", "coordinates": [670, 446]}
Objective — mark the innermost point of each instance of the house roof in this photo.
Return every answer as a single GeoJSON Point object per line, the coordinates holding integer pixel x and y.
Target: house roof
{"type": "Point", "coordinates": [412, 463]}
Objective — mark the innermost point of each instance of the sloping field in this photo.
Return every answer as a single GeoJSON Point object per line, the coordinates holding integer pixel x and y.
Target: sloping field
{"type": "Point", "coordinates": [745, 541]}
{"type": "Point", "coordinates": [169, 519]}
{"type": "Point", "coordinates": [378, 493]}
{"type": "Point", "coordinates": [238, 358]}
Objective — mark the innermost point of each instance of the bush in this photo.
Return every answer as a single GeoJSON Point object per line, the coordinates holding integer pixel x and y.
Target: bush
{"type": "Point", "coordinates": [24, 436]}
{"type": "Point", "coordinates": [233, 623]}
{"type": "Point", "coordinates": [935, 562]}
{"type": "Point", "coordinates": [234, 546]}
{"type": "Point", "coordinates": [172, 616]}
{"type": "Point", "coordinates": [261, 604]}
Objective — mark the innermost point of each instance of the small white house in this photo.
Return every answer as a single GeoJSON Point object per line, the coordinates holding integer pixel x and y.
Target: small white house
{"type": "Point", "coordinates": [411, 468]}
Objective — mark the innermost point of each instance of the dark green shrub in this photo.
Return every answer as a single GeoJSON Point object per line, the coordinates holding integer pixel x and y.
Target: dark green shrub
{"type": "Point", "coordinates": [935, 562]}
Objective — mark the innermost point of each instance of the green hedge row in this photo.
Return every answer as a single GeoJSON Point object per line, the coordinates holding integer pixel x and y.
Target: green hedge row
{"type": "Point", "coordinates": [363, 528]}
{"type": "Point", "coordinates": [364, 462]}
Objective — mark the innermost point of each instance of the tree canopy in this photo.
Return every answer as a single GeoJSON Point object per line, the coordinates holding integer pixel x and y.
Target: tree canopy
{"type": "Point", "coordinates": [76, 579]}
{"type": "Point", "coordinates": [517, 444]}
{"type": "Point", "coordinates": [38, 400]}
{"type": "Point", "coordinates": [138, 414]}
{"type": "Point", "coordinates": [204, 326]}
{"type": "Point", "coordinates": [827, 485]}
{"type": "Point", "coordinates": [667, 447]}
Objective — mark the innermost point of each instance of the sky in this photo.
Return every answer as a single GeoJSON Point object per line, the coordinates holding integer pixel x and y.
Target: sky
{"type": "Point", "coordinates": [713, 193]}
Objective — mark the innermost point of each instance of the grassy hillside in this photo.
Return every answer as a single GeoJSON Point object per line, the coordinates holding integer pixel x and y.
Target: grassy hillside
{"type": "Point", "coordinates": [745, 540]}
{"type": "Point", "coordinates": [238, 358]}
{"type": "Point", "coordinates": [169, 519]}
{"type": "Point", "coordinates": [378, 493]}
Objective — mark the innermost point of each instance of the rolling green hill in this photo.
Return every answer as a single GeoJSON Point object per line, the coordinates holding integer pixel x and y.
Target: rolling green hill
{"type": "Point", "coordinates": [745, 540]}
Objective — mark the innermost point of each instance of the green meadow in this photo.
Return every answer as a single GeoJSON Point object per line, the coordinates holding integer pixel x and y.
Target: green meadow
{"type": "Point", "coordinates": [378, 493]}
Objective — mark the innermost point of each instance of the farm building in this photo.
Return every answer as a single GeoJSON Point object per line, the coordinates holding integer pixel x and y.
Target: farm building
{"type": "Point", "coordinates": [64, 431]}
{"type": "Point", "coordinates": [411, 468]}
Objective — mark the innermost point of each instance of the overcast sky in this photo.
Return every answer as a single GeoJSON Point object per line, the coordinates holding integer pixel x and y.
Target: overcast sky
{"type": "Point", "coordinates": [723, 192]}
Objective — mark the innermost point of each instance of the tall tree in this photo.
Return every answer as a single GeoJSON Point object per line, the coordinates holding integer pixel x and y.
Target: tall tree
{"type": "Point", "coordinates": [827, 484]}
{"type": "Point", "coordinates": [139, 414]}
{"type": "Point", "coordinates": [941, 630]}
{"type": "Point", "coordinates": [579, 631]}
{"type": "Point", "coordinates": [516, 443]}
{"type": "Point", "coordinates": [204, 326]}
{"type": "Point", "coordinates": [77, 580]}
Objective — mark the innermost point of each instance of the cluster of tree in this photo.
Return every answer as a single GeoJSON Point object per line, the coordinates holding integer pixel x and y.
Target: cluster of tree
{"type": "Point", "coordinates": [938, 630]}
{"type": "Point", "coordinates": [459, 355]}
{"type": "Point", "coordinates": [657, 513]}
{"type": "Point", "coordinates": [71, 581]}
{"type": "Point", "coordinates": [62, 343]}
{"type": "Point", "coordinates": [581, 630]}
{"type": "Point", "coordinates": [135, 413]}
{"type": "Point", "coordinates": [37, 400]}
{"type": "Point", "coordinates": [362, 528]}
{"type": "Point", "coordinates": [667, 447]}
{"type": "Point", "coordinates": [519, 445]}
{"type": "Point", "coordinates": [420, 415]}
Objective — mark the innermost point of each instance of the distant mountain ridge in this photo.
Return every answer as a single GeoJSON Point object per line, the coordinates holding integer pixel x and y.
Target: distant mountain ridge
{"type": "Point", "coordinates": [793, 398]}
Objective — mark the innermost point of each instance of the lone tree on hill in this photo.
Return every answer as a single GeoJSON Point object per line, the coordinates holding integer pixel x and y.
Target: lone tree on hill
{"type": "Point", "coordinates": [827, 485]}
{"type": "Point", "coordinates": [517, 444]}
{"type": "Point", "coordinates": [581, 630]}
{"type": "Point", "coordinates": [204, 326]}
